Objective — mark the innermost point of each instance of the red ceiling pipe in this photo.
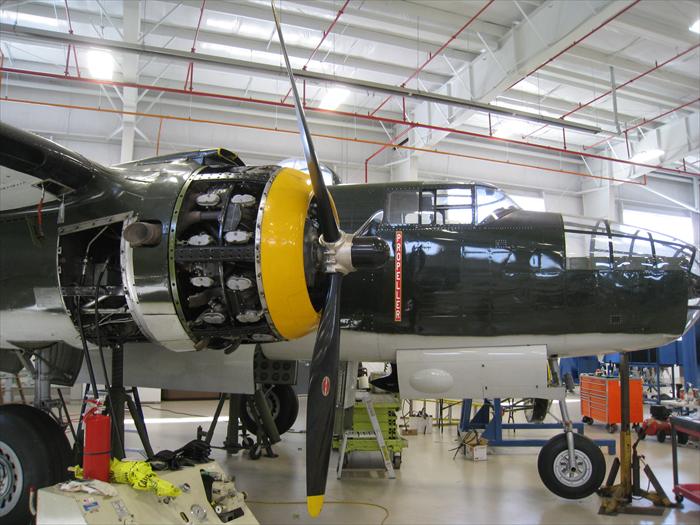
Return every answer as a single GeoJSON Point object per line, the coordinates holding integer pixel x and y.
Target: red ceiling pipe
{"type": "Point", "coordinates": [190, 68]}
{"type": "Point", "coordinates": [617, 88]}
{"type": "Point", "coordinates": [576, 42]}
{"type": "Point", "coordinates": [440, 50]}
{"type": "Point", "coordinates": [70, 46]}
{"type": "Point", "coordinates": [324, 136]}
{"type": "Point", "coordinates": [391, 143]}
{"type": "Point", "coordinates": [325, 34]}
{"type": "Point", "coordinates": [644, 122]}
{"type": "Point", "coordinates": [348, 114]}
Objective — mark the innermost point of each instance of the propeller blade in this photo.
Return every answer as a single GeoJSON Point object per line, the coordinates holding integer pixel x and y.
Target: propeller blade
{"type": "Point", "coordinates": [321, 398]}
{"type": "Point", "coordinates": [326, 215]}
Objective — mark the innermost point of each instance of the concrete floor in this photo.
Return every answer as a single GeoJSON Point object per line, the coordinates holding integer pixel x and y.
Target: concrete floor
{"type": "Point", "coordinates": [431, 487]}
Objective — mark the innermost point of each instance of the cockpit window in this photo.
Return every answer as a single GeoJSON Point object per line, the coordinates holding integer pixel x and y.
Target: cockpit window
{"type": "Point", "coordinates": [492, 204]}
{"type": "Point", "coordinates": [603, 245]}
{"type": "Point", "coordinates": [402, 207]}
{"type": "Point", "coordinates": [454, 206]}
{"type": "Point", "coordinates": [411, 207]}
{"type": "Point", "coordinates": [431, 206]}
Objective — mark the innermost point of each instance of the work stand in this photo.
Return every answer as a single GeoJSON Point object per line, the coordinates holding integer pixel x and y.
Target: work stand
{"type": "Point", "coordinates": [237, 437]}
{"type": "Point", "coordinates": [489, 418]}
{"type": "Point", "coordinates": [617, 499]}
{"type": "Point", "coordinates": [374, 435]}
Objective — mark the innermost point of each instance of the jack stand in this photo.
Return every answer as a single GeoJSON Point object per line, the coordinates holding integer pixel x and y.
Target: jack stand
{"type": "Point", "coordinates": [267, 434]}
{"type": "Point", "coordinates": [232, 445]}
{"type": "Point", "coordinates": [618, 498]}
{"type": "Point", "coordinates": [116, 399]}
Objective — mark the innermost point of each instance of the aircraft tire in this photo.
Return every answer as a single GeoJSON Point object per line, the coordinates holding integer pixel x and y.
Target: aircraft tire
{"type": "Point", "coordinates": [284, 407]}
{"type": "Point", "coordinates": [55, 437]}
{"type": "Point", "coordinates": [552, 464]}
{"type": "Point", "coordinates": [537, 410]}
{"type": "Point", "coordinates": [29, 457]}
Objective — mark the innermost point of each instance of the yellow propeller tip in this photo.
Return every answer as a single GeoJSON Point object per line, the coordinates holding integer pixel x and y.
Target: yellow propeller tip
{"type": "Point", "coordinates": [314, 504]}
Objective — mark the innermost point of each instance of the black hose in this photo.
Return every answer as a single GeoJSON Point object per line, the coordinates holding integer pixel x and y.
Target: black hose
{"type": "Point", "coordinates": [86, 352]}
{"type": "Point", "coordinates": [98, 336]}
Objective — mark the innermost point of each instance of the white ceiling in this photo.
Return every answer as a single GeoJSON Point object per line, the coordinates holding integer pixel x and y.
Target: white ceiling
{"type": "Point", "coordinates": [373, 41]}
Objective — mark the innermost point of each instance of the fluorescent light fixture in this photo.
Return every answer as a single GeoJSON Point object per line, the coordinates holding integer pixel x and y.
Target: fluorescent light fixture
{"type": "Point", "coordinates": [16, 17]}
{"type": "Point", "coordinates": [100, 64]}
{"type": "Point", "coordinates": [260, 31]}
{"type": "Point", "coordinates": [218, 23]}
{"type": "Point", "coordinates": [512, 128]}
{"type": "Point", "coordinates": [647, 155]}
{"type": "Point", "coordinates": [695, 28]}
{"type": "Point", "coordinates": [334, 97]}
{"type": "Point", "coordinates": [527, 86]}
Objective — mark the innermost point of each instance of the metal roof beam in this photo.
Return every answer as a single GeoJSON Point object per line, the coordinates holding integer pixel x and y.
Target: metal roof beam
{"type": "Point", "coordinates": [656, 30]}
{"type": "Point", "coordinates": [305, 21]}
{"type": "Point", "coordinates": [227, 64]}
{"type": "Point", "coordinates": [551, 29]}
{"type": "Point", "coordinates": [168, 29]}
{"type": "Point", "coordinates": [677, 139]}
{"type": "Point", "coordinates": [584, 56]}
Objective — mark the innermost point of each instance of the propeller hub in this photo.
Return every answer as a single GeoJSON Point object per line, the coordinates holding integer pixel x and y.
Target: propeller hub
{"type": "Point", "coordinates": [351, 253]}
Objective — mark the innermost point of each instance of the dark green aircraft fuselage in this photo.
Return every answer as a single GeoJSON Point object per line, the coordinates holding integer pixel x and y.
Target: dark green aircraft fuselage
{"type": "Point", "coordinates": [472, 264]}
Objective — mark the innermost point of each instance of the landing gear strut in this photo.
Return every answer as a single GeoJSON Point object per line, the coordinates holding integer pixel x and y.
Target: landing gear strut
{"type": "Point", "coordinates": [570, 465]}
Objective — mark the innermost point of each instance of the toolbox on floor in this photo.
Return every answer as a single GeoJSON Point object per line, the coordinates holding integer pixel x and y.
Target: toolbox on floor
{"type": "Point", "coordinates": [600, 400]}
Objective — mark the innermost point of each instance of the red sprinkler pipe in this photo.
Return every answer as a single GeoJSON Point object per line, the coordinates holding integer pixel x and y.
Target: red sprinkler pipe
{"type": "Point", "coordinates": [347, 114]}
{"type": "Point", "coordinates": [70, 46]}
{"type": "Point", "coordinates": [436, 53]}
{"type": "Point", "coordinates": [392, 143]}
{"type": "Point", "coordinates": [644, 122]}
{"type": "Point", "coordinates": [190, 68]}
{"type": "Point", "coordinates": [325, 34]}
{"type": "Point", "coordinates": [576, 42]}
{"type": "Point", "coordinates": [323, 136]}
{"type": "Point", "coordinates": [656, 67]}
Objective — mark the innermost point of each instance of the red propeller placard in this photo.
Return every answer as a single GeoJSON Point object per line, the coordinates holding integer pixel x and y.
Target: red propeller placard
{"type": "Point", "coordinates": [398, 270]}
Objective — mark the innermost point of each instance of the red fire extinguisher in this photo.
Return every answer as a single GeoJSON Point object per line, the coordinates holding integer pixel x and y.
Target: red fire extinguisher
{"type": "Point", "coordinates": [98, 445]}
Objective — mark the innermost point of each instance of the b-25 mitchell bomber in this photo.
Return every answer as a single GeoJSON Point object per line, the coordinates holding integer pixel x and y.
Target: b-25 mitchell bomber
{"type": "Point", "coordinates": [196, 256]}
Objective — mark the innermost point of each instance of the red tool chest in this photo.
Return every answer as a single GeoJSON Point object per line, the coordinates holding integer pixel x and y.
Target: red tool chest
{"type": "Point", "coordinates": [600, 400]}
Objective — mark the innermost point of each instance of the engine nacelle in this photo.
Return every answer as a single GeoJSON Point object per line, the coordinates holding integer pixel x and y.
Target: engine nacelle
{"type": "Point", "coordinates": [242, 257]}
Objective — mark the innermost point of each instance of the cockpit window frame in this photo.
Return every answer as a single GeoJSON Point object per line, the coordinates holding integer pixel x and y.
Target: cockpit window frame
{"type": "Point", "coordinates": [434, 210]}
{"type": "Point", "coordinates": [603, 230]}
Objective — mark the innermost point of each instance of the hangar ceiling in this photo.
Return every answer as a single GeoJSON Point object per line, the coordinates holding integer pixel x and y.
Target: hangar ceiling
{"type": "Point", "coordinates": [382, 80]}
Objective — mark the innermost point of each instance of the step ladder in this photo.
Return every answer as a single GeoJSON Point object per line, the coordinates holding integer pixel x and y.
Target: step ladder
{"type": "Point", "coordinates": [374, 435]}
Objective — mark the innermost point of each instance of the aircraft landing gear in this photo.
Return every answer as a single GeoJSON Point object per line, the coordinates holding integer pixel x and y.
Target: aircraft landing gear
{"type": "Point", "coordinates": [34, 452]}
{"type": "Point", "coordinates": [557, 474]}
{"type": "Point", "coordinates": [570, 465]}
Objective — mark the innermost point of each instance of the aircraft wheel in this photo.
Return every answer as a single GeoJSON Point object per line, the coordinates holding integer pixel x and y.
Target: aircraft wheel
{"type": "Point", "coordinates": [54, 436]}
{"type": "Point", "coordinates": [555, 473]}
{"type": "Point", "coordinates": [30, 456]}
{"type": "Point", "coordinates": [284, 407]}
{"type": "Point", "coordinates": [255, 452]}
{"type": "Point", "coordinates": [537, 409]}
{"type": "Point", "coordinates": [396, 461]}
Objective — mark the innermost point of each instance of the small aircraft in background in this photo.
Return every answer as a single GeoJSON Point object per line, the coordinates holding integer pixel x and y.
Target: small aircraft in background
{"type": "Point", "coordinates": [192, 260]}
